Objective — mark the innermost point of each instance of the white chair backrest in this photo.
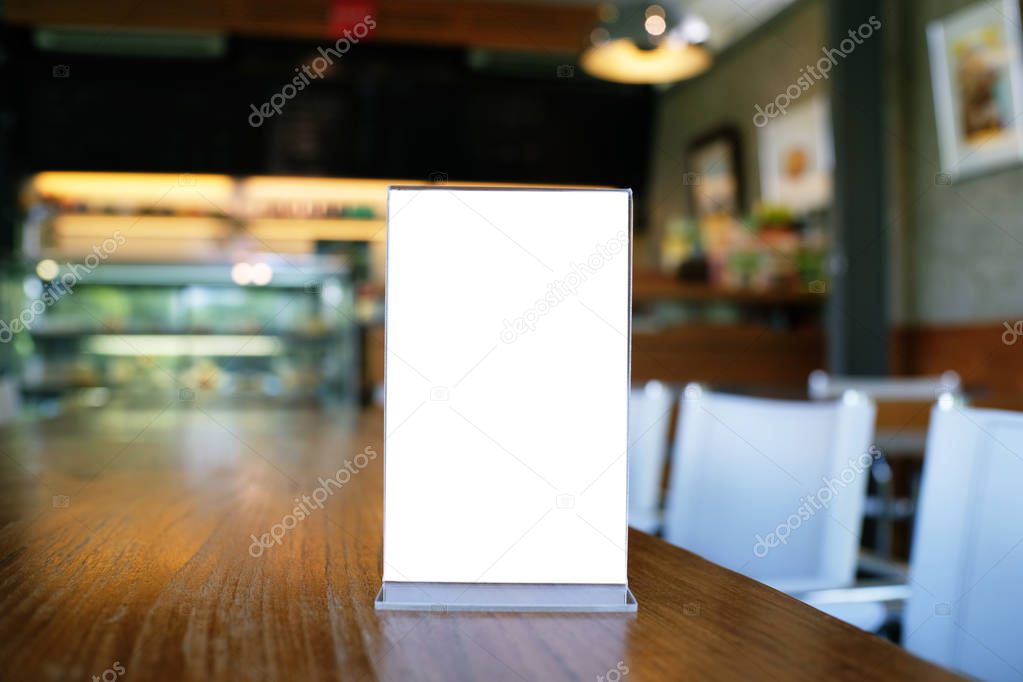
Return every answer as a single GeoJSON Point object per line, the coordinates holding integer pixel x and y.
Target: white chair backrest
{"type": "Point", "coordinates": [824, 386]}
{"type": "Point", "coordinates": [650, 410]}
{"type": "Point", "coordinates": [772, 489]}
{"type": "Point", "coordinates": [966, 565]}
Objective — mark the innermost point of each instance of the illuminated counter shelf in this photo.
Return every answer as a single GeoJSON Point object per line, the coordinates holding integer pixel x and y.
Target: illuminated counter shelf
{"type": "Point", "coordinates": [184, 216]}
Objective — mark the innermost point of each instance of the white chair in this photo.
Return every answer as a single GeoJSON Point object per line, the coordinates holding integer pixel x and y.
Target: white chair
{"type": "Point", "coordinates": [824, 386]}
{"type": "Point", "coordinates": [966, 570]}
{"type": "Point", "coordinates": [772, 489]}
{"type": "Point", "coordinates": [650, 410]}
{"type": "Point", "coordinates": [883, 506]}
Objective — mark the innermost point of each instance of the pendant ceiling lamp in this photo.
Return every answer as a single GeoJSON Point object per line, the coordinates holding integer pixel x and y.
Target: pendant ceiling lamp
{"type": "Point", "coordinates": [642, 42]}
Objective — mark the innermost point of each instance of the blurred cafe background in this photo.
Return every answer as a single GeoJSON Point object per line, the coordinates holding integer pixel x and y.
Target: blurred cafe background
{"type": "Point", "coordinates": [827, 241]}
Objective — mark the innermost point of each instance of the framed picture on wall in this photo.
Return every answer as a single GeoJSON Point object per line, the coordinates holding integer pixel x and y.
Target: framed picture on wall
{"type": "Point", "coordinates": [797, 157]}
{"type": "Point", "coordinates": [713, 171]}
{"type": "Point", "coordinates": [977, 76]}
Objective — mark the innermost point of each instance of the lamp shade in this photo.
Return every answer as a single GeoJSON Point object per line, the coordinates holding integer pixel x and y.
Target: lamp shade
{"type": "Point", "coordinates": [646, 43]}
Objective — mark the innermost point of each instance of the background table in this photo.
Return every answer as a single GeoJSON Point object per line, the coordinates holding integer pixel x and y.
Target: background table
{"type": "Point", "coordinates": [125, 539]}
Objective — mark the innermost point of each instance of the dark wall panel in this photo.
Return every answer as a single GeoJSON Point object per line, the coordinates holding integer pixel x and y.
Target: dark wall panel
{"type": "Point", "coordinates": [384, 112]}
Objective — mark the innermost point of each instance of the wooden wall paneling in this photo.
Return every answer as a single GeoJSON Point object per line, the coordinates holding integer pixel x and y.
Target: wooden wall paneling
{"type": "Point", "coordinates": [728, 356]}
{"type": "Point", "coordinates": [991, 366]}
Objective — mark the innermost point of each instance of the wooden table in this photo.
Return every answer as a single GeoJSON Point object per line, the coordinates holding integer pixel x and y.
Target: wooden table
{"type": "Point", "coordinates": [125, 545]}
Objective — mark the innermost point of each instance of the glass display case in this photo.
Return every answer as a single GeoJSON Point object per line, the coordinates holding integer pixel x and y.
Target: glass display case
{"type": "Point", "coordinates": [10, 297]}
{"type": "Point", "coordinates": [144, 331]}
{"type": "Point", "coordinates": [145, 287]}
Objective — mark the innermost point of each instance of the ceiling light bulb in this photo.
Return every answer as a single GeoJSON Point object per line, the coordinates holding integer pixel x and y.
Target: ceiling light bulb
{"type": "Point", "coordinates": [694, 29]}
{"type": "Point", "coordinates": [655, 25]}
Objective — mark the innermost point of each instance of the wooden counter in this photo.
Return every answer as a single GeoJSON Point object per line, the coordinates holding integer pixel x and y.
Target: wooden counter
{"type": "Point", "coordinates": [125, 542]}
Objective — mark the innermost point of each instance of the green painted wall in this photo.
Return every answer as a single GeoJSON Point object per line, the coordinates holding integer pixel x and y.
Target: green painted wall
{"type": "Point", "coordinates": [962, 244]}
{"type": "Point", "coordinates": [956, 251]}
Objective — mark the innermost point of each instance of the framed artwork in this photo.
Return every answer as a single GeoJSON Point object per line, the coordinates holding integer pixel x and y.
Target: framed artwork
{"type": "Point", "coordinates": [797, 157]}
{"type": "Point", "coordinates": [977, 77]}
{"type": "Point", "coordinates": [713, 171]}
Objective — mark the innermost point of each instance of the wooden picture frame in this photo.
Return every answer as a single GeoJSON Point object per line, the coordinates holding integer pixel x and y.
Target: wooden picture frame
{"type": "Point", "coordinates": [713, 173]}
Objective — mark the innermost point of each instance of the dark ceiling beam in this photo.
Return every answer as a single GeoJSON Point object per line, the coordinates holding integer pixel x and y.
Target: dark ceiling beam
{"type": "Point", "coordinates": [452, 23]}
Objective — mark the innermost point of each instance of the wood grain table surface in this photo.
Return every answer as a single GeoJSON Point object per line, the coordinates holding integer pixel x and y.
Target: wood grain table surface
{"type": "Point", "coordinates": [126, 551]}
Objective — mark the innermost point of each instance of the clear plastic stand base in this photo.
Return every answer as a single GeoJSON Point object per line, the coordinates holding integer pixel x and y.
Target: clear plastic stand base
{"type": "Point", "coordinates": [411, 596]}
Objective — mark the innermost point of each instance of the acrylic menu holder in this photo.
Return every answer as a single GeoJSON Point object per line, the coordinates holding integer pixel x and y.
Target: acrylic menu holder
{"type": "Point", "coordinates": [507, 386]}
